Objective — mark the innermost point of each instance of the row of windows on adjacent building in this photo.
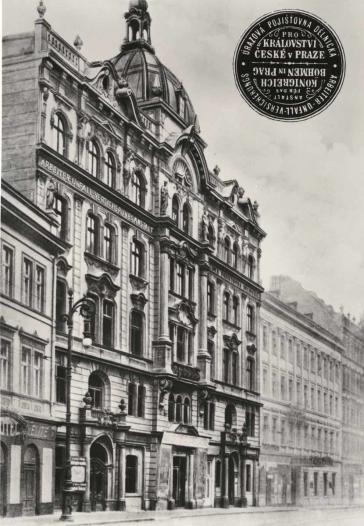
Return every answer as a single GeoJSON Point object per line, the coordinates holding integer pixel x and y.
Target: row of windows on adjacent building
{"type": "Point", "coordinates": [298, 354]}
{"type": "Point", "coordinates": [31, 368]}
{"type": "Point", "coordinates": [29, 287]}
{"type": "Point", "coordinates": [305, 395]}
{"type": "Point", "coordinates": [285, 432]}
{"type": "Point", "coordinates": [353, 381]}
{"type": "Point", "coordinates": [353, 412]}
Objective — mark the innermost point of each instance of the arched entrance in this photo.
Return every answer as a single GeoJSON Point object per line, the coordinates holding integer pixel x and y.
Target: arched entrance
{"type": "Point", "coordinates": [3, 477]}
{"type": "Point", "coordinates": [98, 476]}
{"type": "Point", "coordinates": [30, 481]}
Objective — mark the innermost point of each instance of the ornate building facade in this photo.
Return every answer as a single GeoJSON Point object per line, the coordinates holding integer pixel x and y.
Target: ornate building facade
{"type": "Point", "coordinates": [165, 403]}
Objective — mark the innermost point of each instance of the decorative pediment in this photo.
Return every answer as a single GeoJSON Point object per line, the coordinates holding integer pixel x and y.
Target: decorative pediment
{"type": "Point", "coordinates": [63, 266]}
{"type": "Point", "coordinates": [232, 342]}
{"type": "Point", "coordinates": [138, 300]}
{"type": "Point", "coordinates": [185, 429]}
{"type": "Point", "coordinates": [182, 173]}
{"type": "Point", "coordinates": [185, 313]}
{"type": "Point", "coordinates": [186, 252]}
{"type": "Point", "coordinates": [102, 285]}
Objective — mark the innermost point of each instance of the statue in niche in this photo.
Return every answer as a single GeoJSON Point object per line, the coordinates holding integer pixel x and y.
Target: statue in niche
{"type": "Point", "coordinates": [164, 198]}
{"type": "Point", "coordinates": [51, 190]}
{"type": "Point", "coordinates": [204, 226]}
{"type": "Point", "coordinates": [129, 165]}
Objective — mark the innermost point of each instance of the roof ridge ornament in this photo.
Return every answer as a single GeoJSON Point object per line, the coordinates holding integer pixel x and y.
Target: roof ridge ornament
{"type": "Point", "coordinates": [41, 9]}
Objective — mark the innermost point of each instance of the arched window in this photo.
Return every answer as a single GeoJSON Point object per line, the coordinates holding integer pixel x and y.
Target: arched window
{"type": "Point", "coordinates": [60, 134]}
{"type": "Point", "coordinates": [186, 411]}
{"type": "Point", "coordinates": [171, 408]}
{"type": "Point", "coordinates": [175, 209]}
{"type": "Point", "coordinates": [250, 267]}
{"type": "Point", "coordinates": [110, 170]}
{"type": "Point", "coordinates": [92, 234]}
{"type": "Point", "coordinates": [61, 212]}
{"type": "Point", "coordinates": [211, 235]}
{"type": "Point", "coordinates": [227, 245]}
{"type": "Point", "coordinates": [137, 258]}
{"type": "Point", "coordinates": [141, 401]}
{"type": "Point", "coordinates": [210, 297]}
{"type": "Point", "coordinates": [138, 189]}
{"type": "Point", "coordinates": [187, 218]}
{"type": "Point", "coordinates": [250, 371]}
{"type": "Point", "coordinates": [131, 474]}
{"type": "Point", "coordinates": [226, 309]}
{"type": "Point", "coordinates": [235, 255]}
{"type": "Point", "coordinates": [236, 310]}
{"type": "Point", "coordinates": [96, 388]}
{"type": "Point", "coordinates": [93, 159]}
{"type": "Point", "coordinates": [179, 409]}
{"type": "Point", "coordinates": [250, 319]}
{"type": "Point", "coordinates": [136, 332]}
{"type": "Point", "coordinates": [132, 399]}
{"type": "Point", "coordinates": [109, 243]}
{"type": "Point", "coordinates": [107, 323]}
{"type": "Point", "coordinates": [230, 416]}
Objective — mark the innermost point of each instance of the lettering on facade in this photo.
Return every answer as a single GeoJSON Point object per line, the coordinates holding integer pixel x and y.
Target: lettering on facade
{"type": "Point", "coordinates": [233, 281]}
{"type": "Point", "coordinates": [92, 194]}
{"type": "Point", "coordinates": [41, 431]}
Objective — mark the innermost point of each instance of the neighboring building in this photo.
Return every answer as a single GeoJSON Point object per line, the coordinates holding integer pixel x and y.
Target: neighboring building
{"type": "Point", "coordinates": [301, 371]}
{"type": "Point", "coordinates": [169, 253]}
{"type": "Point", "coordinates": [29, 251]}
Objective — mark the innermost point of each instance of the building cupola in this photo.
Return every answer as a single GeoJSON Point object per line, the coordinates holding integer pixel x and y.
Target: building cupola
{"type": "Point", "coordinates": [138, 22]}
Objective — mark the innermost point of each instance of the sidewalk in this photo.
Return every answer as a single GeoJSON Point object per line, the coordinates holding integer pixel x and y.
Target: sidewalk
{"type": "Point", "coordinates": [117, 517]}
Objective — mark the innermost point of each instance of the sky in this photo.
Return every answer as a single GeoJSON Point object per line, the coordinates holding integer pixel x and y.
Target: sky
{"type": "Point", "coordinates": [306, 176]}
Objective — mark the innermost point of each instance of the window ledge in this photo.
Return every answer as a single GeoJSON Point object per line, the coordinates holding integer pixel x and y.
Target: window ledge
{"type": "Point", "coordinates": [231, 324]}
{"type": "Point", "coordinates": [185, 298]}
{"type": "Point", "coordinates": [138, 282]}
{"type": "Point", "coordinates": [96, 261]}
{"type": "Point", "coordinates": [250, 334]}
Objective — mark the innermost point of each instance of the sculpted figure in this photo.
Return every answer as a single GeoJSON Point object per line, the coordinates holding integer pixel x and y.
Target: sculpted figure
{"type": "Point", "coordinates": [51, 190]}
{"type": "Point", "coordinates": [204, 226]}
{"type": "Point", "coordinates": [164, 198]}
{"type": "Point", "coordinates": [128, 165]}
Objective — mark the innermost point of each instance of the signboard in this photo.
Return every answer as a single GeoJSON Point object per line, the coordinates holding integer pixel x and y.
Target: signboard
{"type": "Point", "coordinates": [78, 473]}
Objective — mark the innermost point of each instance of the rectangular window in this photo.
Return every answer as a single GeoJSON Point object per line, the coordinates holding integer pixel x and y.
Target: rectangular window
{"type": "Point", "coordinates": [248, 478]}
{"type": "Point", "coordinates": [226, 365]}
{"type": "Point", "coordinates": [60, 210]}
{"type": "Point", "coordinates": [290, 351]}
{"type": "Point", "coordinates": [181, 344]}
{"type": "Point", "coordinates": [333, 483]}
{"type": "Point", "coordinates": [283, 348]}
{"type": "Point", "coordinates": [171, 274]}
{"type": "Point", "coordinates": [298, 355]}
{"type": "Point", "coordinates": [265, 338]}
{"type": "Point", "coordinates": [274, 385]}
{"type": "Point", "coordinates": [61, 379]}
{"type": "Point", "coordinates": [7, 270]}
{"type": "Point", "coordinates": [26, 363]}
{"type": "Point", "coordinates": [92, 235]}
{"type": "Point", "coordinates": [305, 358]}
{"type": "Point", "coordinates": [305, 483]}
{"type": "Point", "coordinates": [283, 388]}
{"type": "Point", "coordinates": [290, 389]}
{"type": "Point", "coordinates": [312, 398]}
{"type": "Point", "coordinates": [274, 430]}
{"type": "Point", "coordinates": [189, 282]}
{"type": "Point", "coordinates": [131, 474]}
{"type": "Point", "coordinates": [108, 324]}
{"type": "Point", "coordinates": [315, 483]}
{"type": "Point", "coordinates": [325, 484]}
{"type": "Point", "coordinates": [274, 343]}
{"type": "Point", "coordinates": [234, 366]}
{"type": "Point", "coordinates": [5, 348]}
{"type": "Point", "coordinates": [298, 393]}
{"type": "Point", "coordinates": [305, 395]}
{"type": "Point", "coordinates": [39, 288]}
{"type": "Point", "coordinates": [313, 368]}
{"type": "Point", "coordinates": [37, 374]}
{"type": "Point", "coordinates": [283, 432]}
{"type": "Point", "coordinates": [180, 279]}
{"type": "Point", "coordinates": [265, 381]}
{"type": "Point", "coordinates": [136, 259]}
{"type": "Point", "coordinates": [27, 282]}
{"type": "Point", "coordinates": [265, 429]}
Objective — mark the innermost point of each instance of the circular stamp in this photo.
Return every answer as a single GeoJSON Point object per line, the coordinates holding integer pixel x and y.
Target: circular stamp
{"type": "Point", "coordinates": [289, 65]}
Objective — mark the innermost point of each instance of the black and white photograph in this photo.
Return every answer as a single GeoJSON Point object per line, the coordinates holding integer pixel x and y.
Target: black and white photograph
{"type": "Point", "coordinates": [182, 262]}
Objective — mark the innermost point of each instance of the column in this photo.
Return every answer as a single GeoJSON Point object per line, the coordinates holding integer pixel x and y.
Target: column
{"type": "Point", "coordinates": [121, 480]}
{"type": "Point", "coordinates": [190, 499]}
{"type": "Point", "coordinates": [162, 346]}
{"type": "Point", "coordinates": [254, 484]}
{"type": "Point", "coordinates": [86, 504]}
{"type": "Point", "coordinates": [225, 481]}
{"type": "Point", "coordinates": [243, 499]}
{"type": "Point", "coordinates": [203, 357]}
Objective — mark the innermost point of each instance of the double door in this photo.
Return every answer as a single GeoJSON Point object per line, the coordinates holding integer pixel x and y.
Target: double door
{"type": "Point", "coordinates": [179, 480]}
{"type": "Point", "coordinates": [97, 485]}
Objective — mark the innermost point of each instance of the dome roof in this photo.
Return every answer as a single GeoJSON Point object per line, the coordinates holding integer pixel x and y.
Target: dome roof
{"type": "Point", "coordinates": [150, 79]}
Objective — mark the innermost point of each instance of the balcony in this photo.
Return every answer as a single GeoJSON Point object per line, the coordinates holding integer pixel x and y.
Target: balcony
{"type": "Point", "coordinates": [186, 371]}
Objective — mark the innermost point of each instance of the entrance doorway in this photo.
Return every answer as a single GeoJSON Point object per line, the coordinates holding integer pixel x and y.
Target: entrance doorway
{"type": "Point", "coordinates": [179, 481]}
{"type": "Point", "coordinates": [30, 481]}
{"type": "Point", "coordinates": [233, 476]}
{"type": "Point", "coordinates": [98, 477]}
{"type": "Point", "coordinates": [209, 493]}
{"type": "Point", "coordinates": [3, 477]}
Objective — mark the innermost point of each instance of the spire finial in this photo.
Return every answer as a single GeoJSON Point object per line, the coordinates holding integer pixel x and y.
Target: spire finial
{"type": "Point", "coordinates": [78, 43]}
{"type": "Point", "coordinates": [41, 9]}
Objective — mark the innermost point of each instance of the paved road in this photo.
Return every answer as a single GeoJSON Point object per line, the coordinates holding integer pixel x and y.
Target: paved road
{"type": "Point", "coordinates": [347, 517]}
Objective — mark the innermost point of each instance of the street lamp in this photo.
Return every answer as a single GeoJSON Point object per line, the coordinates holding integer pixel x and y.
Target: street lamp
{"type": "Point", "coordinates": [86, 308]}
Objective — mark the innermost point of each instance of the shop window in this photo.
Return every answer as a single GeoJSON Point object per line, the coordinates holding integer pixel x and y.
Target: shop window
{"type": "Point", "coordinates": [96, 388]}
{"type": "Point", "coordinates": [61, 379]}
{"type": "Point", "coordinates": [218, 473]}
{"type": "Point", "coordinates": [137, 258]}
{"type": "Point", "coordinates": [110, 170]}
{"type": "Point", "coordinates": [7, 275]}
{"type": "Point", "coordinates": [60, 461]}
{"type": "Point", "coordinates": [5, 350]}
{"type": "Point", "coordinates": [136, 333]}
{"type": "Point", "coordinates": [175, 209]}
{"type": "Point", "coordinates": [93, 159]}
{"type": "Point", "coordinates": [131, 474]}
{"type": "Point", "coordinates": [92, 234]}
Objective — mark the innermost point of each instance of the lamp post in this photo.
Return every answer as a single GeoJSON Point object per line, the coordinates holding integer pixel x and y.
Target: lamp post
{"type": "Point", "coordinates": [86, 308]}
